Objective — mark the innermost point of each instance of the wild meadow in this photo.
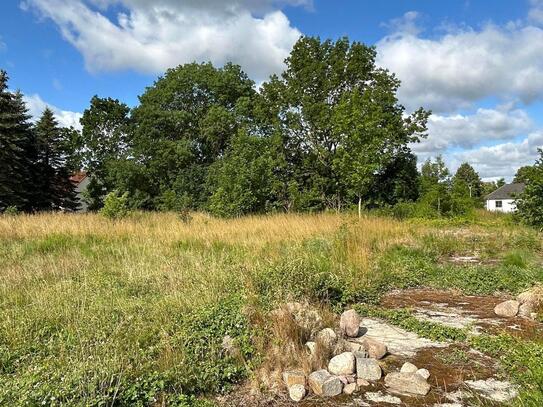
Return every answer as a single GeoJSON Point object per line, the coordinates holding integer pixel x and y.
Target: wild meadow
{"type": "Point", "coordinates": [133, 311]}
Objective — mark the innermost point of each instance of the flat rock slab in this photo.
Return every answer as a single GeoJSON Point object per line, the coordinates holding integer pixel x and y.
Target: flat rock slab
{"type": "Point", "coordinates": [398, 341]}
{"type": "Point", "coordinates": [380, 397]}
{"type": "Point", "coordinates": [493, 389]}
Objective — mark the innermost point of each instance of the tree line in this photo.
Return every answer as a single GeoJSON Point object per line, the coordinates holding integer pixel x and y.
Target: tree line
{"type": "Point", "coordinates": [328, 133]}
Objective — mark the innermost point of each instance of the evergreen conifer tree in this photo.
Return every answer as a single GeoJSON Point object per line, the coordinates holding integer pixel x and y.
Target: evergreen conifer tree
{"type": "Point", "coordinates": [15, 149]}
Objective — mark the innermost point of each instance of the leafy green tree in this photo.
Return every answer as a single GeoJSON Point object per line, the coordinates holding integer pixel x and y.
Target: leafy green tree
{"type": "Point", "coordinates": [468, 179]}
{"type": "Point", "coordinates": [397, 182]}
{"type": "Point", "coordinates": [183, 124]}
{"type": "Point", "coordinates": [530, 202]}
{"type": "Point", "coordinates": [105, 140]}
{"type": "Point", "coordinates": [500, 183]}
{"type": "Point", "coordinates": [53, 189]}
{"type": "Point", "coordinates": [15, 149]}
{"type": "Point", "coordinates": [327, 107]}
{"type": "Point", "coordinates": [525, 174]}
{"type": "Point", "coordinates": [435, 186]}
{"type": "Point", "coordinates": [243, 181]}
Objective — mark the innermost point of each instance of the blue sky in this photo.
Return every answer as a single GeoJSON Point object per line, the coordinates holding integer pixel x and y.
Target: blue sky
{"type": "Point", "coordinates": [478, 64]}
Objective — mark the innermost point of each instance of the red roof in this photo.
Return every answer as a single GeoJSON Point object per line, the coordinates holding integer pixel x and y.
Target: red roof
{"type": "Point", "coordinates": [78, 177]}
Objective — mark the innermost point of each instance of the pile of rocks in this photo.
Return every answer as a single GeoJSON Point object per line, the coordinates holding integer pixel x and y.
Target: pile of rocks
{"type": "Point", "coordinates": [525, 305]}
{"type": "Point", "coordinates": [354, 364]}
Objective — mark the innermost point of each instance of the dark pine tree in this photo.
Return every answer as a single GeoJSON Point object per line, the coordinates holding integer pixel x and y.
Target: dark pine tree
{"type": "Point", "coordinates": [15, 149]}
{"type": "Point", "coordinates": [54, 189]}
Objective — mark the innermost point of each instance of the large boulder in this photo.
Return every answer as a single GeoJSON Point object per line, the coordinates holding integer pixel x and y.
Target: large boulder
{"type": "Point", "coordinates": [507, 309]}
{"type": "Point", "coordinates": [367, 369]}
{"type": "Point", "coordinates": [292, 377]}
{"type": "Point", "coordinates": [407, 383]}
{"type": "Point", "coordinates": [322, 383]}
{"type": "Point", "coordinates": [343, 364]}
{"type": "Point", "coordinates": [350, 323]}
{"type": "Point", "coordinates": [297, 392]}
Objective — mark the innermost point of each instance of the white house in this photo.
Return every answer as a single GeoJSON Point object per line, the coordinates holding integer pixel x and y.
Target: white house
{"type": "Point", "coordinates": [503, 199]}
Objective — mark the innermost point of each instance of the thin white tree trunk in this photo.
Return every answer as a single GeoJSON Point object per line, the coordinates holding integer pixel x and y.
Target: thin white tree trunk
{"type": "Point", "coordinates": [359, 207]}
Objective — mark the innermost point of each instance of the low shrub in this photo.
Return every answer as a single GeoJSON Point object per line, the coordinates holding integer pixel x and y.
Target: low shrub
{"type": "Point", "coordinates": [115, 205]}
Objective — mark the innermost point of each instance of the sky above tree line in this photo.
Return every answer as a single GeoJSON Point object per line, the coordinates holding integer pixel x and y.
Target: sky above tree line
{"type": "Point", "coordinates": [477, 64]}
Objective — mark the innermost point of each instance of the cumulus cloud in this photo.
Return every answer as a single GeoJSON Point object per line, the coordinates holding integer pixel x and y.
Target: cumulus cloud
{"type": "Point", "coordinates": [503, 160]}
{"type": "Point", "coordinates": [461, 67]}
{"type": "Point", "coordinates": [36, 105]}
{"type": "Point", "coordinates": [467, 131]}
{"type": "Point", "coordinates": [153, 36]}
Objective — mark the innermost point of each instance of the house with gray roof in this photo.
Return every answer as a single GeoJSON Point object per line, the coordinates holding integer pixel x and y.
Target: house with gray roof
{"type": "Point", "coordinates": [504, 198]}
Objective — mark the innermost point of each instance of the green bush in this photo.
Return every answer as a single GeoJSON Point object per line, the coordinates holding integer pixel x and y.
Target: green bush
{"type": "Point", "coordinates": [11, 211]}
{"type": "Point", "coordinates": [115, 205]}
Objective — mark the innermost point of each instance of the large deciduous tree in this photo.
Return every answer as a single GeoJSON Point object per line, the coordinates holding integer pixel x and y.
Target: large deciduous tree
{"type": "Point", "coordinates": [466, 178]}
{"type": "Point", "coordinates": [339, 120]}
{"type": "Point", "coordinates": [105, 142]}
{"type": "Point", "coordinates": [183, 124]}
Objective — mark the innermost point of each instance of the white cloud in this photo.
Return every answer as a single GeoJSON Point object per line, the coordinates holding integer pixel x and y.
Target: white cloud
{"type": "Point", "coordinates": [467, 131]}
{"type": "Point", "coordinates": [536, 12]}
{"type": "Point", "coordinates": [464, 66]}
{"type": "Point", "coordinates": [504, 159]}
{"type": "Point", "coordinates": [153, 36]}
{"type": "Point", "coordinates": [407, 24]}
{"type": "Point", "coordinates": [36, 105]}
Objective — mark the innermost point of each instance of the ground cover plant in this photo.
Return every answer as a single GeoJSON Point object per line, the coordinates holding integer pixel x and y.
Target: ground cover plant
{"type": "Point", "coordinates": [133, 310]}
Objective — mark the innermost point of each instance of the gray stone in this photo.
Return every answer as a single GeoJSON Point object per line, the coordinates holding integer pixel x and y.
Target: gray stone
{"type": "Point", "coordinates": [424, 373]}
{"type": "Point", "coordinates": [349, 346]}
{"type": "Point", "coordinates": [350, 323]}
{"type": "Point", "coordinates": [507, 309]}
{"type": "Point", "coordinates": [375, 349]}
{"type": "Point", "coordinates": [407, 383]}
{"type": "Point", "coordinates": [526, 310]}
{"type": "Point", "coordinates": [324, 384]}
{"type": "Point", "coordinates": [343, 364]}
{"type": "Point", "coordinates": [349, 388]}
{"type": "Point", "coordinates": [327, 338]}
{"type": "Point", "coordinates": [408, 368]}
{"type": "Point", "coordinates": [292, 377]}
{"type": "Point", "coordinates": [367, 369]}
{"type": "Point", "coordinates": [362, 382]}
{"type": "Point", "coordinates": [297, 392]}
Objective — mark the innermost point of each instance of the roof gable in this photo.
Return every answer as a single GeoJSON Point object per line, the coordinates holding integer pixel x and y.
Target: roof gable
{"type": "Point", "coordinates": [508, 191]}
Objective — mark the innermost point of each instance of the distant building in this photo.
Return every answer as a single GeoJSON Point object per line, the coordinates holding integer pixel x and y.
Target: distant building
{"type": "Point", "coordinates": [504, 198]}
{"type": "Point", "coordinates": [81, 181]}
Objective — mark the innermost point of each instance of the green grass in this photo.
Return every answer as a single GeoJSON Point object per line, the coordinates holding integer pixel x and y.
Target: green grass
{"type": "Point", "coordinates": [132, 312]}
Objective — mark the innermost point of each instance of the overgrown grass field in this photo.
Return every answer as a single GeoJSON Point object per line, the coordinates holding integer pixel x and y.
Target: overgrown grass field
{"type": "Point", "coordinates": [134, 311]}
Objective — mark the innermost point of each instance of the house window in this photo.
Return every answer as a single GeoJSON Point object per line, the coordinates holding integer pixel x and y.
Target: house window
{"type": "Point", "coordinates": [498, 204]}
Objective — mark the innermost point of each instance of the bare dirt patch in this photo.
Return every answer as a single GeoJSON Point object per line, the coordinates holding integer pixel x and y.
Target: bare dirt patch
{"type": "Point", "coordinates": [451, 308]}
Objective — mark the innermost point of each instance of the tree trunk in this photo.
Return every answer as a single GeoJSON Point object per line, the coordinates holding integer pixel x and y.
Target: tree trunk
{"type": "Point", "coordinates": [359, 207]}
